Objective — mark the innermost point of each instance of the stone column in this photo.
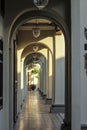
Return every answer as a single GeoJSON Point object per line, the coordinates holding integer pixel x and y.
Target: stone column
{"type": "Point", "coordinates": [72, 86]}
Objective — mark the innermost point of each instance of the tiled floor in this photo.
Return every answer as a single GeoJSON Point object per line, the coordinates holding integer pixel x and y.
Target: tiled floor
{"type": "Point", "coordinates": [36, 115]}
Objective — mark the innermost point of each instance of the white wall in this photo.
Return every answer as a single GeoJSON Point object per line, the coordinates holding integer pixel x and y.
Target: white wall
{"type": "Point", "coordinates": [83, 79]}
{"type": "Point", "coordinates": [4, 121]}
{"type": "Point", "coordinates": [22, 80]}
{"type": "Point", "coordinates": [59, 70]}
{"type": "Point", "coordinates": [43, 76]}
{"type": "Point", "coordinates": [19, 93]}
{"type": "Point", "coordinates": [25, 82]}
{"type": "Point", "coordinates": [44, 52]}
{"type": "Point", "coordinates": [75, 45]}
{"type": "Point", "coordinates": [79, 78]}
{"type": "Point", "coordinates": [50, 75]}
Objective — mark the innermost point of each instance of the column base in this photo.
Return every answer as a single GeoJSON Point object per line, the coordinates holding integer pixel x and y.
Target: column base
{"type": "Point", "coordinates": [41, 93]}
{"type": "Point", "coordinates": [44, 96]}
{"type": "Point", "coordinates": [48, 101]}
{"type": "Point", "coordinates": [66, 126]}
{"type": "Point", "coordinates": [57, 109]}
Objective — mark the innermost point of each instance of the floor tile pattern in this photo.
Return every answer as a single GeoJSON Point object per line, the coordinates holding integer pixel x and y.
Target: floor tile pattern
{"type": "Point", "coordinates": [35, 115]}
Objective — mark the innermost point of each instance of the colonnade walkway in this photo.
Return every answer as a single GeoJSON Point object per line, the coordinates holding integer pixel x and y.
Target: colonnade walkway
{"type": "Point", "coordinates": [35, 115]}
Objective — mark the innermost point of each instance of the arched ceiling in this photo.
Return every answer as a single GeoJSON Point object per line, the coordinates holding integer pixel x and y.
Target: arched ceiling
{"type": "Point", "coordinates": [34, 58]}
{"type": "Point", "coordinates": [47, 29]}
{"type": "Point", "coordinates": [44, 24]}
{"type": "Point", "coordinates": [24, 34]}
{"type": "Point", "coordinates": [30, 48]}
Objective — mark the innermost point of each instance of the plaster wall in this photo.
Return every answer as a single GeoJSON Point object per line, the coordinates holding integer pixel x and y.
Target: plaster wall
{"type": "Point", "coordinates": [41, 77]}
{"type": "Point", "coordinates": [22, 80]}
{"type": "Point", "coordinates": [75, 69]}
{"type": "Point", "coordinates": [45, 53]}
{"type": "Point", "coordinates": [59, 70]}
{"type": "Point", "coordinates": [26, 37]}
{"type": "Point", "coordinates": [25, 82]}
{"type": "Point", "coordinates": [19, 93]}
{"type": "Point", "coordinates": [50, 75]}
{"type": "Point", "coordinates": [48, 41]}
{"type": "Point", "coordinates": [44, 77]}
{"type": "Point", "coordinates": [4, 122]}
{"type": "Point", "coordinates": [42, 63]}
{"type": "Point", "coordinates": [83, 76]}
{"type": "Point", "coordinates": [39, 81]}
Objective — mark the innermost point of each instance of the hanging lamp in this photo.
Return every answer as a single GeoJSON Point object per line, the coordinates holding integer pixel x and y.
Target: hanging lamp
{"type": "Point", "coordinates": [40, 4]}
{"type": "Point", "coordinates": [35, 48]}
{"type": "Point", "coordinates": [36, 30]}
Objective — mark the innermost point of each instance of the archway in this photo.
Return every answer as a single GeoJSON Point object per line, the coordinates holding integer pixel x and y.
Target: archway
{"type": "Point", "coordinates": [32, 64]}
{"type": "Point", "coordinates": [55, 18]}
{"type": "Point", "coordinates": [28, 50]}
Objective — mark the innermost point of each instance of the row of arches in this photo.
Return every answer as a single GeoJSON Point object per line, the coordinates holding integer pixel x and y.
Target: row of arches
{"type": "Point", "coordinates": [56, 19]}
{"type": "Point", "coordinates": [18, 21]}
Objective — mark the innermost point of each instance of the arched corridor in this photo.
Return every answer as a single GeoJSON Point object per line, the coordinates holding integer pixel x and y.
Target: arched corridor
{"type": "Point", "coordinates": [49, 51]}
{"type": "Point", "coordinates": [43, 48]}
{"type": "Point", "coordinates": [35, 115]}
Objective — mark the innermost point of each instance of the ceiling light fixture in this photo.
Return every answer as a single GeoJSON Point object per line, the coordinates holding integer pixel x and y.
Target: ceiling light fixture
{"type": "Point", "coordinates": [40, 4]}
{"type": "Point", "coordinates": [36, 30]}
{"type": "Point", "coordinates": [35, 48]}
{"type": "Point", "coordinates": [58, 31]}
{"type": "Point", "coordinates": [35, 59]}
{"type": "Point", "coordinates": [34, 56]}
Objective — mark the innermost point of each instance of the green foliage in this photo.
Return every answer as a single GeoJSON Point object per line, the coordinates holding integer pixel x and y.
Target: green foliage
{"type": "Point", "coordinates": [34, 71]}
{"type": "Point", "coordinates": [37, 77]}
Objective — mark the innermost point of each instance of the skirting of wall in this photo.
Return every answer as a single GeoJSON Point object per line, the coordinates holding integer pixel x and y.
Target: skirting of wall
{"type": "Point", "coordinates": [57, 109]}
{"type": "Point", "coordinates": [44, 96]}
{"type": "Point", "coordinates": [48, 101]}
{"type": "Point", "coordinates": [83, 127]}
{"type": "Point", "coordinates": [41, 93]}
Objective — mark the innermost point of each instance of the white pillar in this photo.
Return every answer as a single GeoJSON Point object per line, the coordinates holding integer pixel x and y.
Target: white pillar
{"type": "Point", "coordinates": [22, 79]}
{"type": "Point", "coordinates": [83, 79]}
{"type": "Point", "coordinates": [75, 77]}
{"type": "Point", "coordinates": [25, 81]}
{"type": "Point", "coordinates": [43, 78]}
{"type": "Point", "coordinates": [44, 52]}
{"type": "Point", "coordinates": [50, 75]}
{"type": "Point", "coordinates": [47, 75]}
{"type": "Point", "coordinates": [59, 70]}
{"type": "Point", "coordinates": [19, 95]}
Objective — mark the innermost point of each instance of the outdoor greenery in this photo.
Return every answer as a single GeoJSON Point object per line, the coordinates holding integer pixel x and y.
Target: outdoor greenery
{"type": "Point", "coordinates": [35, 71]}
